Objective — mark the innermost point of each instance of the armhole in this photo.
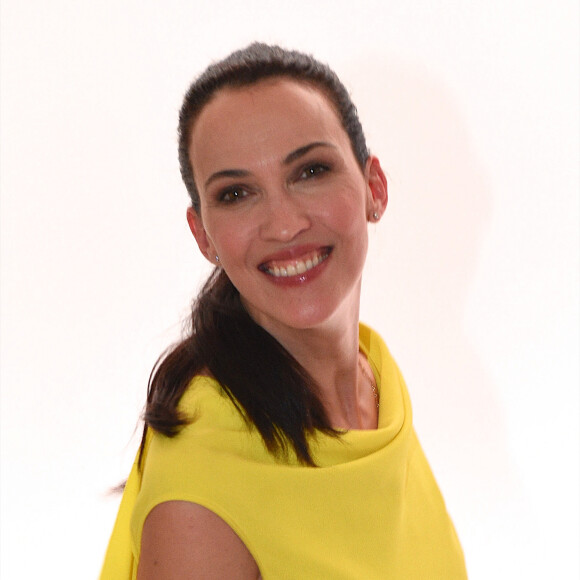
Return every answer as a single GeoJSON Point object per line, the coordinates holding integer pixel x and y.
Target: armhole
{"type": "Point", "coordinates": [215, 509]}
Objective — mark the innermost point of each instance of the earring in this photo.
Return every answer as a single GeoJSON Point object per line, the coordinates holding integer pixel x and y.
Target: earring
{"type": "Point", "coordinates": [376, 216]}
{"type": "Point", "coordinates": [217, 258]}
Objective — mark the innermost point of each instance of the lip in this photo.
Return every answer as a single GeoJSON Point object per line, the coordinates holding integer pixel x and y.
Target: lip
{"type": "Point", "coordinates": [296, 257]}
{"type": "Point", "coordinates": [293, 253]}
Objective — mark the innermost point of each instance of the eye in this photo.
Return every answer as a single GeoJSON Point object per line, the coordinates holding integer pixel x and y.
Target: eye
{"type": "Point", "coordinates": [232, 194]}
{"type": "Point", "coordinates": [313, 170]}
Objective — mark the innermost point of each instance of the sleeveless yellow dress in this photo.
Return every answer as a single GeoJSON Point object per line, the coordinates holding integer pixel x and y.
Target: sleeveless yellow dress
{"type": "Point", "coordinates": [370, 510]}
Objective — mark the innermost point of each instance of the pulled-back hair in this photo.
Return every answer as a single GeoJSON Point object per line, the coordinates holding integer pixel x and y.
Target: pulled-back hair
{"type": "Point", "coordinates": [250, 65]}
{"type": "Point", "coordinates": [265, 383]}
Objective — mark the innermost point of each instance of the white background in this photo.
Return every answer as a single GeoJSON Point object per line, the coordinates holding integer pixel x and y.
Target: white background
{"type": "Point", "coordinates": [472, 276]}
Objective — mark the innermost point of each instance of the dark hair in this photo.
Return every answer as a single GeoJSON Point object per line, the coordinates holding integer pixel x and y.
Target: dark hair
{"type": "Point", "coordinates": [266, 384]}
{"type": "Point", "coordinates": [250, 65]}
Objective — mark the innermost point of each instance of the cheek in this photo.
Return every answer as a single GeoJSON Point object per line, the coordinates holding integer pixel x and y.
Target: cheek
{"type": "Point", "coordinates": [346, 212]}
{"type": "Point", "coordinates": [350, 220]}
{"type": "Point", "coordinates": [230, 238]}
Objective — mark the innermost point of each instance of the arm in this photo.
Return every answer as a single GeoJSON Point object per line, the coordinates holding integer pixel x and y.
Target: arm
{"type": "Point", "coordinates": [185, 541]}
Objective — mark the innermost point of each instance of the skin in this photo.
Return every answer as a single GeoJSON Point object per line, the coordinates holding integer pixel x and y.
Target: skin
{"type": "Point", "coordinates": [278, 183]}
{"type": "Point", "coordinates": [185, 541]}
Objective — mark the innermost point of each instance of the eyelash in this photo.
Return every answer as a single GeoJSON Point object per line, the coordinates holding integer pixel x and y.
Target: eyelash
{"type": "Point", "coordinates": [235, 194]}
{"type": "Point", "coordinates": [313, 170]}
{"type": "Point", "coordinates": [232, 194]}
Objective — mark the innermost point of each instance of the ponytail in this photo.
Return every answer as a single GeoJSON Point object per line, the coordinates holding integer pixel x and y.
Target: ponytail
{"type": "Point", "coordinates": [264, 381]}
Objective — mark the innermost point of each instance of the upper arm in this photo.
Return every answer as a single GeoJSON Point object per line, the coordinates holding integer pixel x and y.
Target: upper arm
{"type": "Point", "coordinates": [187, 541]}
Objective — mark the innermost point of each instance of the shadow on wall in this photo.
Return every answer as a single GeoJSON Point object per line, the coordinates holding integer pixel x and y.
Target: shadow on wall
{"type": "Point", "coordinates": [422, 261]}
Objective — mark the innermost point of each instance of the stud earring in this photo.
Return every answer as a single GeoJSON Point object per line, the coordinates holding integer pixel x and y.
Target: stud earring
{"type": "Point", "coordinates": [217, 258]}
{"type": "Point", "coordinates": [376, 216]}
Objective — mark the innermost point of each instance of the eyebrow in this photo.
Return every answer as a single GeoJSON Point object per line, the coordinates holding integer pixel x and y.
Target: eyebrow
{"type": "Point", "coordinates": [226, 173]}
{"type": "Point", "coordinates": [290, 158]}
{"type": "Point", "coordinates": [301, 151]}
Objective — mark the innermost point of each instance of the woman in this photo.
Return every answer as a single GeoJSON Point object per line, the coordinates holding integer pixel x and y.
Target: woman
{"type": "Point", "coordinates": [278, 439]}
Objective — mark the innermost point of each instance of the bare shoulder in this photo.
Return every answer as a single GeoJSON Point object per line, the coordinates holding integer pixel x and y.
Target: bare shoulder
{"type": "Point", "coordinates": [187, 541]}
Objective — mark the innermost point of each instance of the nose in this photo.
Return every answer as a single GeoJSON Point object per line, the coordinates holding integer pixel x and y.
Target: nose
{"type": "Point", "coordinates": [283, 218]}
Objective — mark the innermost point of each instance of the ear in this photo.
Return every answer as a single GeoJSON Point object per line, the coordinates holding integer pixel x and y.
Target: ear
{"type": "Point", "coordinates": [197, 229]}
{"type": "Point", "coordinates": [377, 184]}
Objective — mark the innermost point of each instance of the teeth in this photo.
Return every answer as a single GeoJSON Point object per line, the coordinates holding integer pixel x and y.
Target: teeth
{"type": "Point", "coordinates": [298, 267]}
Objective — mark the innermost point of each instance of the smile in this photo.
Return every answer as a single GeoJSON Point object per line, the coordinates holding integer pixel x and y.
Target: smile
{"type": "Point", "coordinates": [285, 269]}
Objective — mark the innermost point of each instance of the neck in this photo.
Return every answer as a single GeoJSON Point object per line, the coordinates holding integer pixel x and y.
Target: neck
{"type": "Point", "coordinates": [330, 354]}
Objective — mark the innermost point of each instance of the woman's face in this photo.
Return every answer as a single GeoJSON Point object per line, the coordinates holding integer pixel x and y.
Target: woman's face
{"type": "Point", "coordinates": [284, 203]}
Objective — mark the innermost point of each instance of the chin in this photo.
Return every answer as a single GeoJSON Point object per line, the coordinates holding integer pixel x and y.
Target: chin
{"type": "Point", "coordinates": [304, 319]}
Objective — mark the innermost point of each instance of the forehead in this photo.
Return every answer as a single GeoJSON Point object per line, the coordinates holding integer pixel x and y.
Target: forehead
{"type": "Point", "coordinates": [291, 96]}
{"type": "Point", "coordinates": [257, 123]}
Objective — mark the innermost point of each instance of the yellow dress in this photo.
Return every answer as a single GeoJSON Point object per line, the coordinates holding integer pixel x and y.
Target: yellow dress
{"type": "Point", "coordinates": [370, 510]}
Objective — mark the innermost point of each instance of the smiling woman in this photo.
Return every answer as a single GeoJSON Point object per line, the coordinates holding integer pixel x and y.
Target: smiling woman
{"type": "Point", "coordinates": [301, 203]}
{"type": "Point", "coordinates": [278, 439]}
